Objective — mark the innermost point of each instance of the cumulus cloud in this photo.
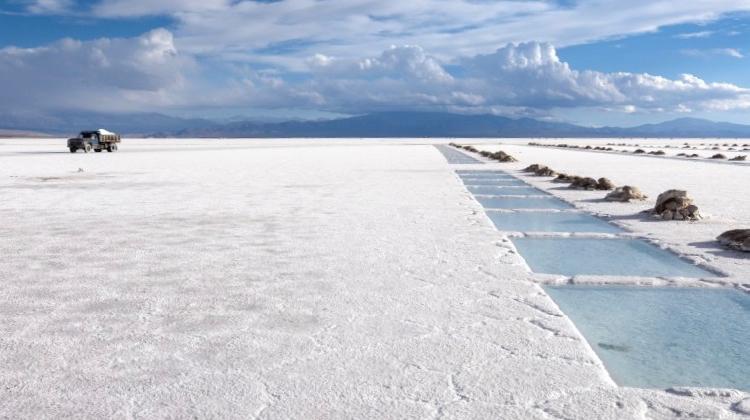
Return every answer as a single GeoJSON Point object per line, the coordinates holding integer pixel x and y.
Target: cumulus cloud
{"type": "Point", "coordinates": [149, 72]}
{"type": "Point", "coordinates": [517, 77]}
{"type": "Point", "coordinates": [104, 74]}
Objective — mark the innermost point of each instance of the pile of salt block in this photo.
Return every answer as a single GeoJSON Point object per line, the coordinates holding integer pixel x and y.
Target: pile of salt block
{"type": "Point", "coordinates": [675, 205]}
{"type": "Point", "coordinates": [738, 239]}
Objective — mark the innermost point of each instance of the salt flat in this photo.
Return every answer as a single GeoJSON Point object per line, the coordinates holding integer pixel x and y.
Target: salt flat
{"type": "Point", "coordinates": [306, 279]}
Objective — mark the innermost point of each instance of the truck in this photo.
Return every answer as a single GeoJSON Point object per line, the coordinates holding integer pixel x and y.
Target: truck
{"type": "Point", "coordinates": [96, 140]}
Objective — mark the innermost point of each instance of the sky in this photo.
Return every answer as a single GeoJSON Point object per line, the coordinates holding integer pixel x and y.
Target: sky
{"type": "Point", "coordinates": [592, 62]}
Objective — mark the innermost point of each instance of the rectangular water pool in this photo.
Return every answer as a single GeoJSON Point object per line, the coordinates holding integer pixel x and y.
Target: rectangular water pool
{"type": "Point", "coordinates": [608, 257]}
{"type": "Point", "coordinates": [518, 203]}
{"type": "Point", "coordinates": [550, 222]}
{"type": "Point", "coordinates": [660, 338]}
{"type": "Point", "coordinates": [504, 190]}
{"type": "Point", "coordinates": [501, 182]}
{"type": "Point", "coordinates": [453, 156]}
{"type": "Point", "coordinates": [486, 176]}
{"type": "Point", "coordinates": [480, 172]}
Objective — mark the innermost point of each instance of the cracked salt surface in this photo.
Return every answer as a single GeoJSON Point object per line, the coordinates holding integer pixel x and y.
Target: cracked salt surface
{"type": "Point", "coordinates": [282, 279]}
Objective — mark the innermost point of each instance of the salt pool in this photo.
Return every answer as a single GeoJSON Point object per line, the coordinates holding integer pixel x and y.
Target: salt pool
{"type": "Point", "coordinates": [485, 175]}
{"type": "Point", "coordinates": [501, 182]}
{"type": "Point", "coordinates": [537, 221]}
{"type": "Point", "coordinates": [504, 190]}
{"type": "Point", "coordinates": [480, 172]}
{"type": "Point", "coordinates": [612, 257]}
{"type": "Point", "coordinates": [516, 203]}
{"type": "Point", "coordinates": [664, 337]}
{"type": "Point", "coordinates": [453, 156]}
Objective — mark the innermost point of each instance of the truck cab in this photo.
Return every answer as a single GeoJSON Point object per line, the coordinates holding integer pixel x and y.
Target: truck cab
{"type": "Point", "coordinates": [97, 141]}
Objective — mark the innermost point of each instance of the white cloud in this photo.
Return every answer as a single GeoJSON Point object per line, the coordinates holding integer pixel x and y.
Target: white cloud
{"type": "Point", "coordinates": [732, 52]}
{"type": "Point", "coordinates": [287, 32]}
{"type": "Point", "coordinates": [518, 77]}
{"type": "Point", "coordinates": [150, 73]}
{"type": "Point", "coordinates": [104, 74]}
{"type": "Point", "coordinates": [49, 6]}
{"type": "Point", "coordinates": [712, 52]}
{"type": "Point", "coordinates": [134, 8]}
{"type": "Point", "coordinates": [693, 35]}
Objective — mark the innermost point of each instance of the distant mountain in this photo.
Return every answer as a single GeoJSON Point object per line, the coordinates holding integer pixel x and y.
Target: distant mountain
{"type": "Point", "coordinates": [394, 124]}
{"type": "Point", "coordinates": [384, 124]}
{"type": "Point", "coordinates": [21, 133]}
{"type": "Point", "coordinates": [690, 127]}
{"type": "Point", "coordinates": [70, 123]}
{"type": "Point", "coordinates": [437, 124]}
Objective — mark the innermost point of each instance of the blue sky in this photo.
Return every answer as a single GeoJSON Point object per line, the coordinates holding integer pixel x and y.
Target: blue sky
{"type": "Point", "coordinates": [592, 62]}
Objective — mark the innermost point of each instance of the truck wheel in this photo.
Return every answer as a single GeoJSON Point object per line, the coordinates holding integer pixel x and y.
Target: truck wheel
{"type": "Point", "coordinates": [114, 147]}
{"type": "Point", "coordinates": [87, 148]}
{"type": "Point", "coordinates": [109, 148]}
{"type": "Point", "coordinates": [72, 149]}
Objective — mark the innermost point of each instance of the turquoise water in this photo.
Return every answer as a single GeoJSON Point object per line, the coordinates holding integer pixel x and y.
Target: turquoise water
{"type": "Point", "coordinates": [501, 182]}
{"type": "Point", "coordinates": [611, 257]}
{"type": "Point", "coordinates": [453, 156]}
{"type": "Point", "coordinates": [462, 172]}
{"type": "Point", "coordinates": [486, 175]}
{"type": "Point", "coordinates": [551, 222]}
{"type": "Point", "coordinates": [510, 203]}
{"type": "Point", "coordinates": [660, 338]}
{"type": "Point", "coordinates": [504, 190]}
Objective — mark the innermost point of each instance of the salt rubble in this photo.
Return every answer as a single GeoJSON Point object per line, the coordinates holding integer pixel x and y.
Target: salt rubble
{"type": "Point", "coordinates": [287, 279]}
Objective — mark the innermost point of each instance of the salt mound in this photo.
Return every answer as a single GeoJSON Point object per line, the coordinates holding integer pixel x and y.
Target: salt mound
{"type": "Point", "coordinates": [738, 239]}
{"type": "Point", "coordinates": [501, 156]}
{"type": "Point", "coordinates": [604, 184]}
{"type": "Point", "coordinates": [584, 184]}
{"type": "Point", "coordinates": [533, 168]}
{"type": "Point", "coordinates": [566, 178]}
{"type": "Point", "coordinates": [545, 171]}
{"type": "Point", "coordinates": [626, 194]}
{"type": "Point", "coordinates": [675, 205]}
{"type": "Point", "coordinates": [591, 184]}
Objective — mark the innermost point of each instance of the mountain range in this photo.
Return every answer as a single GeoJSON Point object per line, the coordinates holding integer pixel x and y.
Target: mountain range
{"type": "Point", "coordinates": [384, 124]}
